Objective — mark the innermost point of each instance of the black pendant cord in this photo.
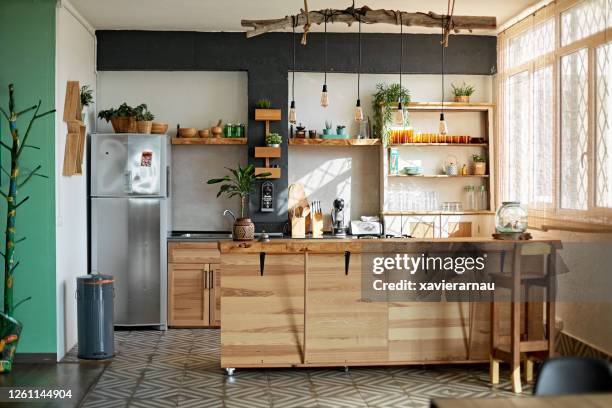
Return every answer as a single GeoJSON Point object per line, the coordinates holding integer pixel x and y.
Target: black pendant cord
{"type": "Point", "coordinates": [325, 56]}
{"type": "Point", "coordinates": [293, 71]}
{"type": "Point", "coordinates": [442, 68]}
{"type": "Point", "coordinates": [401, 55]}
{"type": "Point", "coordinates": [359, 72]}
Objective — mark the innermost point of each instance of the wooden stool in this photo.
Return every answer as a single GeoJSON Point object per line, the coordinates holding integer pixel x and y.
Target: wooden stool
{"type": "Point", "coordinates": [530, 349]}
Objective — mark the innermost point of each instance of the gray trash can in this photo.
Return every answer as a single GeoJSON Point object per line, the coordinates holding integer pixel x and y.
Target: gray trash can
{"type": "Point", "coordinates": [95, 295]}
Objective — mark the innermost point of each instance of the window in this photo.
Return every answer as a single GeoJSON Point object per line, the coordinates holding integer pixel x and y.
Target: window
{"type": "Point", "coordinates": [555, 99]}
{"type": "Point", "coordinates": [574, 130]}
{"type": "Point", "coordinates": [603, 136]}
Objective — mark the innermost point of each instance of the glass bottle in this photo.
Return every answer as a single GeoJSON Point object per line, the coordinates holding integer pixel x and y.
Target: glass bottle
{"type": "Point", "coordinates": [511, 217]}
{"type": "Point", "coordinates": [483, 205]}
{"type": "Point", "coordinates": [469, 198]}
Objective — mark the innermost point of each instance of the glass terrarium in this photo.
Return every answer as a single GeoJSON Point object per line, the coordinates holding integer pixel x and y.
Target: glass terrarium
{"type": "Point", "coordinates": [511, 217]}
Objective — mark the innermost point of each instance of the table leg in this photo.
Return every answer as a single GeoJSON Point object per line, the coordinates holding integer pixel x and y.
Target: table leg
{"type": "Point", "coordinates": [515, 325]}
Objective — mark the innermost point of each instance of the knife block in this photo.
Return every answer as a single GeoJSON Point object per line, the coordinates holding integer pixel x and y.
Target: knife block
{"type": "Point", "coordinates": [317, 225]}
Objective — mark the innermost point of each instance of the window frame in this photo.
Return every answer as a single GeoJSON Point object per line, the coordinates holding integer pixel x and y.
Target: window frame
{"type": "Point", "coordinates": [544, 213]}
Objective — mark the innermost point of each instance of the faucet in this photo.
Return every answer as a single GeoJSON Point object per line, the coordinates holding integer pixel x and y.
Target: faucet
{"type": "Point", "coordinates": [231, 214]}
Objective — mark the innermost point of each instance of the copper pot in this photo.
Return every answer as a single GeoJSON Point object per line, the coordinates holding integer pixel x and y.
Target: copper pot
{"type": "Point", "coordinates": [244, 229]}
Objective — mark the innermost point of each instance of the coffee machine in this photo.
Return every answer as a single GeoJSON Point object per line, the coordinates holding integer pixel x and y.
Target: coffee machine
{"type": "Point", "coordinates": [339, 227]}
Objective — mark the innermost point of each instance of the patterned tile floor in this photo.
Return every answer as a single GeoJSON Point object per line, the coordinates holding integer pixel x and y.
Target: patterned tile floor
{"type": "Point", "coordinates": [180, 368]}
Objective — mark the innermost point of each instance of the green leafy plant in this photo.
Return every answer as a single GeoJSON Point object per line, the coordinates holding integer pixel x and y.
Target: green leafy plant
{"type": "Point", "coordinates": [274, 139]}
{"type": "Point", "coordinates": [263, 104]}
{"type": "Point", "coordinates": [10, 328]}
{"type": "Point", "coordinates": [463, 90]}
{"type": "Point", "coordinates": [125, 110]}
{"type": "Point", "coordinates": [386, 98]}
{"type": "Point", "coordinates": [86, 95]}
{"type": "Point", "coordinates": [329, 124]}
{"type": "Point", "coordinates": [239, 183]}
{"type": "Point", "coordinates": [107, 114]}
{"type": "Point", "coordinates": [477, 158]}
{"type": "Point", "coordinates": [142, 113]}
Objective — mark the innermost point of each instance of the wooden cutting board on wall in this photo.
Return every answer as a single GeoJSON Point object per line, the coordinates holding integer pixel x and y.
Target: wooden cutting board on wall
{"type": "Point", "coordinates": [74, 149]}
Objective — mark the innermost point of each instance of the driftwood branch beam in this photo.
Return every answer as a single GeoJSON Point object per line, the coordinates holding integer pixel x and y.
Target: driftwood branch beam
{"type": "Point", "coordinates": [369, 16]}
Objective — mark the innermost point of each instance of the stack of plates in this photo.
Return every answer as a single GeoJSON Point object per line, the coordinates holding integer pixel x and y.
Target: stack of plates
{"type": "Point", "coordinates": [412, 170]}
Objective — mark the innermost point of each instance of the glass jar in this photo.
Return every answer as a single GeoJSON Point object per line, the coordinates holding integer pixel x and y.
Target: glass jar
{"type": "Point", "coordinates": [469, 198]}
{"type": "Point", "coordinates": [511, 217]}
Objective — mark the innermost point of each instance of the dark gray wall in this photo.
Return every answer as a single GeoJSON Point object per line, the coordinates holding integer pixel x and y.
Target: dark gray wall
{"type": "Point", "coordinates": [268, 58]}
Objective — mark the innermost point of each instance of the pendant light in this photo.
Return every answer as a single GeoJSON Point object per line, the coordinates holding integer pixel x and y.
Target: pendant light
{"type": "Point", "coordinates": [358, 110]}
{"type": "Point", "coordinates": [324, 96]}
{"type": "Point", "coordinates": [292, 115]}
{"type": "Point", "coordinates": [398, 115]}
{"type": "Point", "coordinates": [443, 128]}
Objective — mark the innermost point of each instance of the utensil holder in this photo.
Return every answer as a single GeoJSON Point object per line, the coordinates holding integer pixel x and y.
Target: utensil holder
{"type": "Point", "coordinates": [298, 227]}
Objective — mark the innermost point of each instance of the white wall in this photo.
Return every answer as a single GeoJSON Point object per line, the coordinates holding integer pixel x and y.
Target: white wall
{"type": "Point", "coordinates": [354, 173]}
{"type": "Point", "coordinates": [191, 99]}
{"type": "Point", "coordinates": [75, 60]}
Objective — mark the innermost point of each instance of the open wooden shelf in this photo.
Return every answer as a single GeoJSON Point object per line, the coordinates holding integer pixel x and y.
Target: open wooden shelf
{"type": "Point", "coordinates": [265, 152]}
{"type": "Point", "coordinates": [436, 176]}
{"type": "Point", "coordinates": [334, 142]}
{"type": "Point", "coordinates": [450, 106]}
{"type": "Point", "coordinates": [441, 144]}
{"type": "Point", "coordinates": [275, 172]}
{"type": "Point", "coordinates": [209, 141]}
{"type": "Point", "coordinates": [475, 212]}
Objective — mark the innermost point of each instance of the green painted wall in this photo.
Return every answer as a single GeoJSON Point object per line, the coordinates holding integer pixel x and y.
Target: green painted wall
{"type": "Point", "coordinates": [27, 50]}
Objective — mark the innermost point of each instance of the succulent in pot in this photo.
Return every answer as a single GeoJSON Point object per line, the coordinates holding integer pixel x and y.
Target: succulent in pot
{"type": "Point", "coordinates": [479, 165]}
{"type": "Point", "coordinates": [463, 92]}
{"type": "Point", "coordinates": [144, 119]}
{"type": "Point", "coordinates": [240, 183]}
{"type": "Point", "coordinates": [274, 140]}
{"type": "Point", "coordinates": [328, 128]}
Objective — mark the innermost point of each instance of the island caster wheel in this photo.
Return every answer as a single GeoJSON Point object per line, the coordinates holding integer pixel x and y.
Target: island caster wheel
{"type": "Point", "coordinates": [230, 372]}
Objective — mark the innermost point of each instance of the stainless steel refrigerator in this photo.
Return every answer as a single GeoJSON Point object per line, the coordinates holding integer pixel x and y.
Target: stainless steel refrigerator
{"type": "Point", "coordinates": [129, 222]}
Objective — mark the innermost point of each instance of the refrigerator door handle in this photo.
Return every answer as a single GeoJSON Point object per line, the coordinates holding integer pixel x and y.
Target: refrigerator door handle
{"type": "Point", "coordinates": [128, 181]}
{"type": "Point", "coordinates": [167, 181]}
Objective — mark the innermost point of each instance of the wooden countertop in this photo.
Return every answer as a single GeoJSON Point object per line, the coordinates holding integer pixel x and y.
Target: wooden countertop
{"type": "Point", "coordinates": [339, 245]}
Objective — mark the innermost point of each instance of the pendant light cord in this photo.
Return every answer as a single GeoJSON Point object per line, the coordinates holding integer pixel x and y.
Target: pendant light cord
{"type": "Point", "coordinates": [325, 57]}
{"type": "Point", "coordinates": [401, 52]}
{"type": "Point", "coordinates": [359, 72]}
{"type": "Point", "coordinates": [293, 72]}
{"type": "Point", "coordinates": [442, 67]}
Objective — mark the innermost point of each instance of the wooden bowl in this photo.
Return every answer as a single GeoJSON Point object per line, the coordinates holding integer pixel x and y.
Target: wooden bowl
{"type": "Point", "coordinates": [204, 133]}
{"type": "Point", "coordinates": [187, 132]}
{"type": "Point", "coordinates": [159, 128]}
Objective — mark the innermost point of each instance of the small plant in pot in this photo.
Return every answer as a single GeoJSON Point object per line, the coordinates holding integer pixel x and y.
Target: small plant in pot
{"type": "Point", "coordinates": [274, 140]}
{"type": "Point", "coordinates": [463, 92]}
{"type": "Point", "coordinates": [86, 99]}
{"type": "Point", "coordinates": [263, 104]}
{"type": "Point", "coordinates": [144, 119]}
{"type": "Point", "coordinates": [123, 118]}
{"type": "Point", "coordinates": [479, 165]}
{"type": "Point", "coordinates": [328, 128]}
{"type": "Point", "coordinates": [240, 184]}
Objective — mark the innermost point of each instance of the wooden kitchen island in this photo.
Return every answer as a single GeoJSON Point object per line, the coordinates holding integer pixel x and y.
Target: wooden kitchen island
{"type": "Point", "coordinates": [298, 303]}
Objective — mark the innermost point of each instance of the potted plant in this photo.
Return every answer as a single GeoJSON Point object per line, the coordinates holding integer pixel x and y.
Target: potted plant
{"type": "Point", "coordinates": [341, 130]}
{"type": "Point", "coordinates": [10, 328]}
{"type": "Point", "coordinates": [264, 111]}
{"type": "Point", "coordinates": [385, 99]}
{"type": "Point", "coordinates": [328, 128]}
{"type": "Point", "coordinates": [123, 118]}
{"type": "Point", "coordinates": [86, 99]}
{"type": "Point", "coordinates": [144, 119]}
{"type": "Point", "coordinates": [274, 140]}
{"type": "Point", "coordinates": [479, 165]}
{"type": "Point", "coordinates": [462, 93]}
{"type": "Point", "coordinates": [240, 184]}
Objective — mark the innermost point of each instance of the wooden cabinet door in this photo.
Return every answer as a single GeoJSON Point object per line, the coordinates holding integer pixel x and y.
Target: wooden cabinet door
{"type": "Point", "coordinates": [188, 295]}
{"type": "Point", "coordinates": [341, 326]}
{"type": "Point", "coordinates": [262, 314]}
{"type": "Point", "coordinates": [214, 271]}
